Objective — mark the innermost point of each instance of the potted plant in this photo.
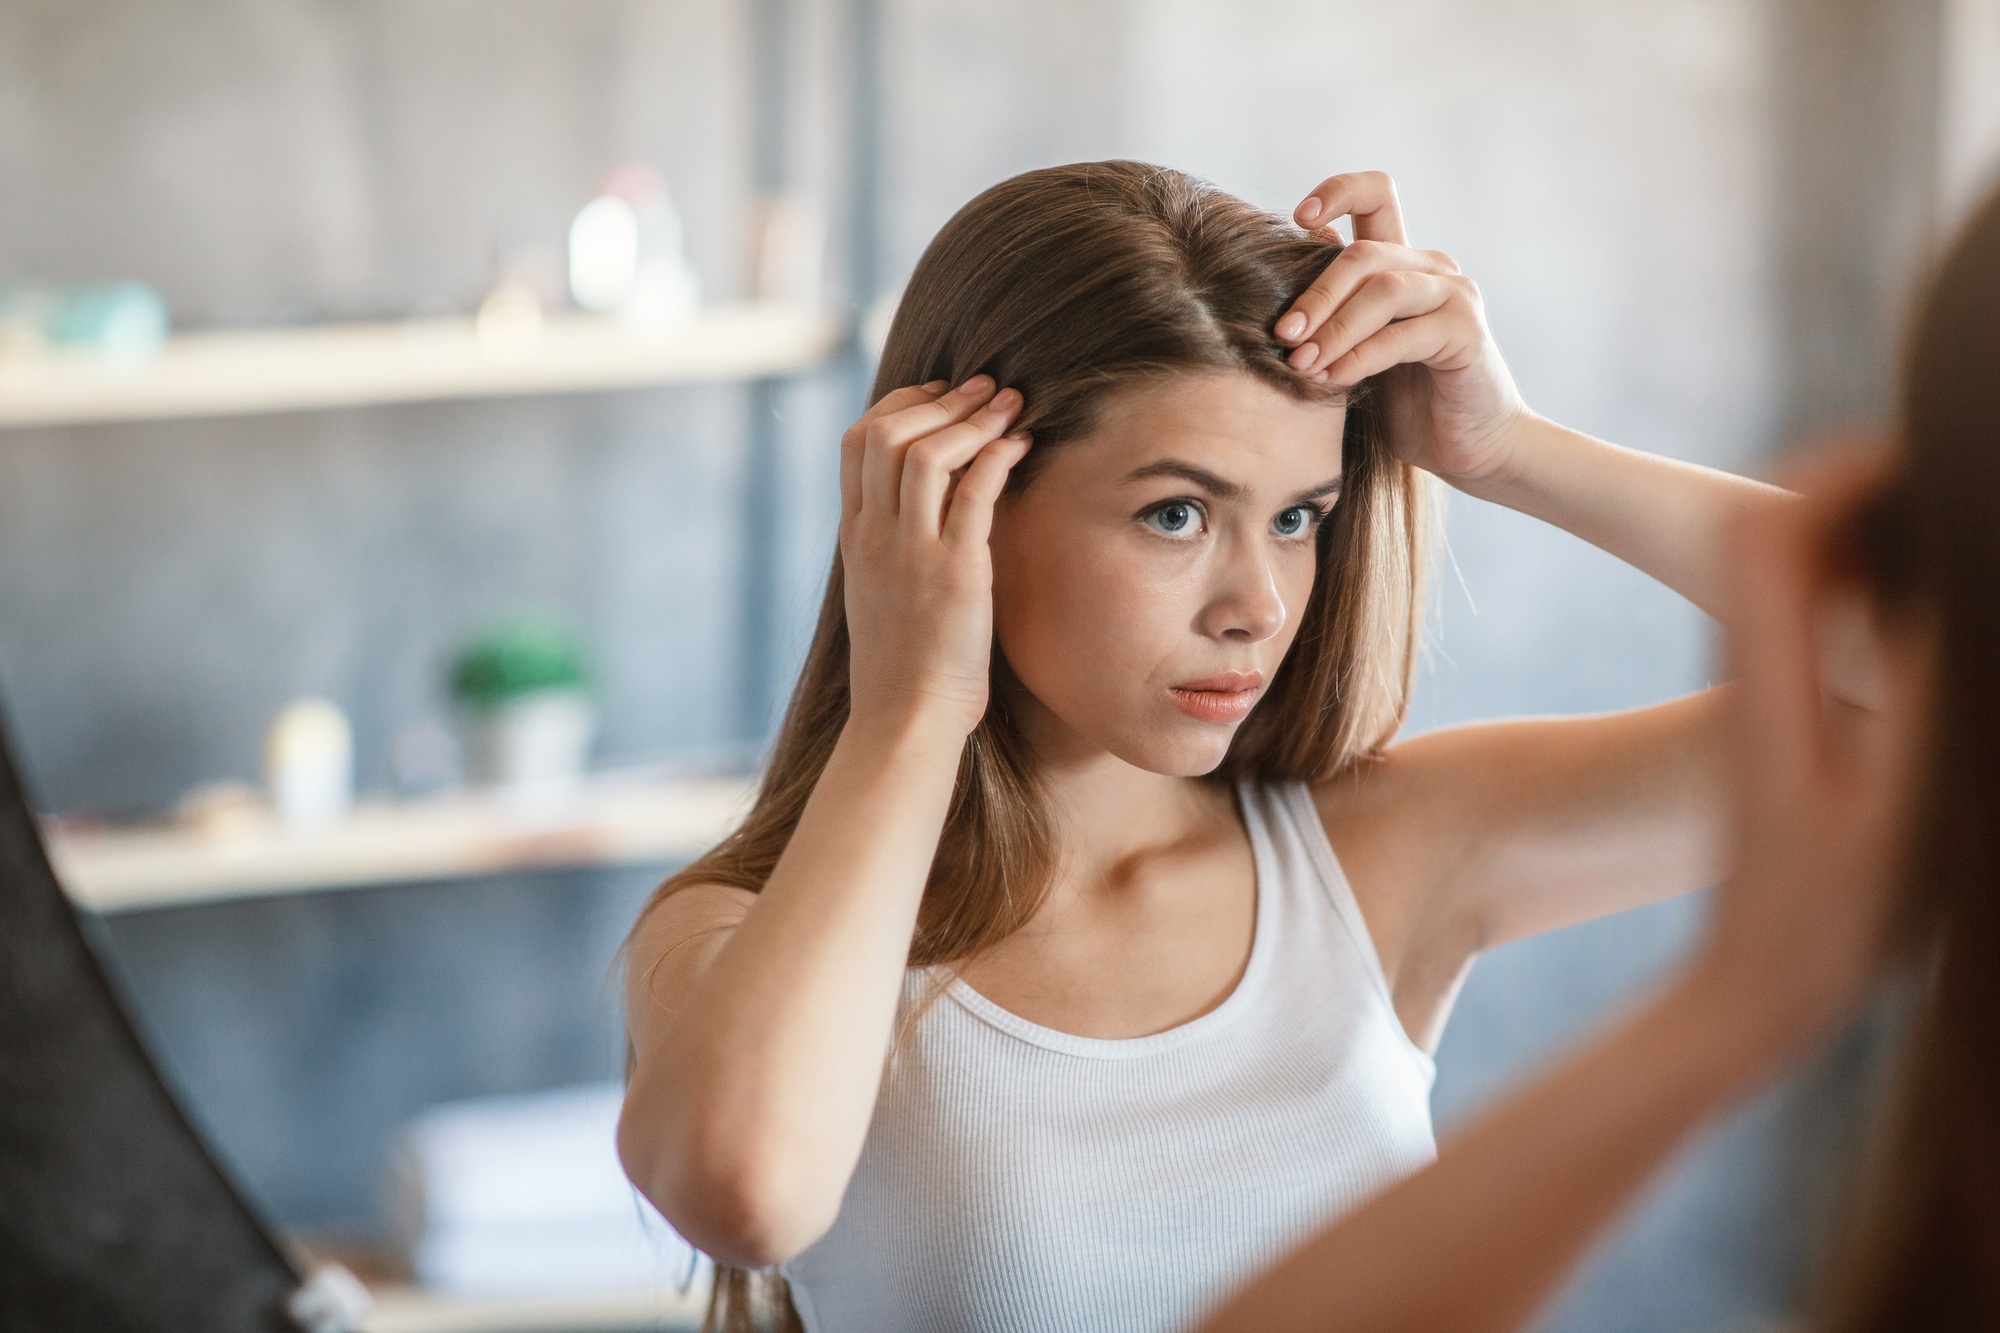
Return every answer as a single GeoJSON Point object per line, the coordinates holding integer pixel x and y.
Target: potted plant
{"type": "Point", "coordinates": [524, 689]}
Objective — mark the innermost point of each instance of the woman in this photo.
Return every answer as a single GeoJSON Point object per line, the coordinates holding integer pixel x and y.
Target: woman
{"type": "Point", "coordinates": [1857, 828]}
{"type": "Point", "coordinates": [1160, 930]}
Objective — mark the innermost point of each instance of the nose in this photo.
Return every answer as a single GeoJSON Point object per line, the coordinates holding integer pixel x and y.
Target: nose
{"type": "Point", "coordinates": [1245, 604]}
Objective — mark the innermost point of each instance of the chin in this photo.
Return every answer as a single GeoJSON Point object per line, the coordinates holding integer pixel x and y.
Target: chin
{"type": "Point", "coordinates": [1186, 750]}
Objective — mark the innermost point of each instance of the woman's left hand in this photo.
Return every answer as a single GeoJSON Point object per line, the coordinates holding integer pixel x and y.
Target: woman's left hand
{"type": "Point", "coordinates": [1831, 715]}
{"type": "Point", "coordinates": [1382, 308]}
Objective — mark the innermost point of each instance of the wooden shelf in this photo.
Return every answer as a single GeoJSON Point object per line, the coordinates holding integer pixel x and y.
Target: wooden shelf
{"type": "Point", "coordinates": [349, 365]}
{"type": "Point", "coordinates": [611, 821]}
{"type": "Point", "coordinates": [414, 1310]}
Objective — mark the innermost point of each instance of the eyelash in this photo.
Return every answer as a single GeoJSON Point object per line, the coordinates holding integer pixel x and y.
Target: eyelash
{"type": "Point", "coordinates": [1319, 515]}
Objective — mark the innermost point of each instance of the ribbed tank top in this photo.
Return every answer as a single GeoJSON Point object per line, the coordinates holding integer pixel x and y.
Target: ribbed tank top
{"type": "Point", "coordinates": [1016, 1179]}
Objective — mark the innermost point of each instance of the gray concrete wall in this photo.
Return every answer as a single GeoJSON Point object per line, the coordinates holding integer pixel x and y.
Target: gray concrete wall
{"type": "Point", "coordinates": [164, 588]}
{"type": "Point", "coordinates": [1621, 178]}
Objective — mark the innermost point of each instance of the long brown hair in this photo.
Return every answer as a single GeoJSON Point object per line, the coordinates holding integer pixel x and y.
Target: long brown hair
{"type": "Point", "coordinates": [1071, 284]}
{"type": "Point", "coordinates": [1925, 1253]}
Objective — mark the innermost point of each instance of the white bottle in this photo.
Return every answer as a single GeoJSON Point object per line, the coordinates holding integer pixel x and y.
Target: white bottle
{"type": "Point", "coordinates": [628, 255]}
{"type": "Point", "coordinates": [309, 764]}
{"type": "Point", "coordinates": [604, 255]}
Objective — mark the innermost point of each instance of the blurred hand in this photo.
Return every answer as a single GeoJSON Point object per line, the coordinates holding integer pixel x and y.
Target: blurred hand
{"type": "Point", "coordinates": [919, 475]}
{"type": "Point", "coordinates": [1384, 307]}
{"type": "Point", "coordinates": [1831, 706]}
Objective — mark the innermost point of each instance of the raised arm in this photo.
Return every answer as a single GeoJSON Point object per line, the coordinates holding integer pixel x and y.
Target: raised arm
{"type": "Point", "coordinates": [1467, 838]}
{"type": "Point", "coordinates": [760, 1022]}
{"type": "Point", "coordinates": [1476, 1242]}
{"type": "Point", "coordinates": [1454, 410]}
{"type": "Point", "coordinates": [1662, 516]}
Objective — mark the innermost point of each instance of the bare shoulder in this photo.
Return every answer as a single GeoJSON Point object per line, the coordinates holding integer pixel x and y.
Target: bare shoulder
{"type": "Point", "coordinates": [1388, 805]}
{"type": "Point", "coordinates": [1364, 791]}
{"type": "Point", "coordinates": [676, 938]}
{"type": "Point", "coordinates": [1406, 821]}
{"type": "Point", "coordinates": [1426, 828]}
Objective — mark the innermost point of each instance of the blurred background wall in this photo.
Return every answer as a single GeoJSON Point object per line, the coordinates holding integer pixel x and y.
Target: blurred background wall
{"type": "Point", "coordinates": [1693, 220]}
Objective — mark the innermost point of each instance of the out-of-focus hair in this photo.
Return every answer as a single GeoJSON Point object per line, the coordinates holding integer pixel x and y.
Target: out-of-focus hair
{"type": "Point", "coordinates": [1924, 1252]}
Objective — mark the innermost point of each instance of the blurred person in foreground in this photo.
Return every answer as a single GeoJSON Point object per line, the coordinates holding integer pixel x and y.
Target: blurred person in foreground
{"type": "Point", "coordinates": [1867, 831]}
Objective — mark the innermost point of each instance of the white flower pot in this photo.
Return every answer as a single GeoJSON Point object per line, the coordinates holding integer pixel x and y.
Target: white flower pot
{"type": "Point", "coordinates": [534, 749]}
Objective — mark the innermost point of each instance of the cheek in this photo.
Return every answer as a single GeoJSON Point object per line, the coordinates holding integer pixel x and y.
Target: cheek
{"type": "Point", "coordinates": [1073, 619]}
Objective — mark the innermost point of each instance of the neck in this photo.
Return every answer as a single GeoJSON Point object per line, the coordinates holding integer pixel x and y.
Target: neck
{"type": "Point", "coordinates": [1109, 812]}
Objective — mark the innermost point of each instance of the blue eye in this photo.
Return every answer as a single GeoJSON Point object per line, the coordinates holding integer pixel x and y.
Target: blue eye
{"type": "Point", "coordinates": [1296, 521]}
{"type": "Point", "coordinates": [1175, 518]}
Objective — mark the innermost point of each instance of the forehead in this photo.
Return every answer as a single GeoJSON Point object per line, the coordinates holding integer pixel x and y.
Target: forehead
{"type": "Point", "coordinates": [1234, 425]}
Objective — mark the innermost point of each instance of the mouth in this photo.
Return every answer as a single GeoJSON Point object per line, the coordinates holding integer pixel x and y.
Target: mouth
{"type": "Point", "coordinates": [1227, 696]}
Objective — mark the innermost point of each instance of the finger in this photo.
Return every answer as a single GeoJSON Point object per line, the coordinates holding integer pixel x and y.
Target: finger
{"type": "Point", "coordinates": [896, 400]}
{"type": "Point", "coordinates": [921, 418]}
{"type": "Point", "coordinates": [928, 464]}
{"type": "Point", "coordinates": [1344, 276]}
{"type": "Point", "coordinates": [1379, 301]}
{"type": "Point", "coordinates": [970, 521]}
{"type": "Point", "coordinates": [1438, 340]}
{"type": "Point", "coordinates": [888, 436]}
{"type": "Point", "coordinates": [1369, 197]}
{"type": "Point", "coordinates": [854, 441]}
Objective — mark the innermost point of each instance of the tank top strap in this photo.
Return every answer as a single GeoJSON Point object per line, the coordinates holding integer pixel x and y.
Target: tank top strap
{"type": "Point", "coordinates": [1307, 868]}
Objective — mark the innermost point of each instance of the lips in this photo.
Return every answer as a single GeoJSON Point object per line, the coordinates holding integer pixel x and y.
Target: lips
{"type": "Point", "coordinates": [1227, 696]}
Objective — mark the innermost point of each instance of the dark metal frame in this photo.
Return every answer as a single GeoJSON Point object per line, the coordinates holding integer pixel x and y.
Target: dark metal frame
{"type": "Point", "coordinates": [114, 1215]}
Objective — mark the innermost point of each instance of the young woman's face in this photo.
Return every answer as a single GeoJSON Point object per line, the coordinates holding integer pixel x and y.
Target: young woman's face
{"type": "Point", "coordinates": [1150, 580]}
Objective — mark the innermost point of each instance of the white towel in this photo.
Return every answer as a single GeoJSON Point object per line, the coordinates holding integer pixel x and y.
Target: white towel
{"type": "Point", "coordinates": [524, 1196]}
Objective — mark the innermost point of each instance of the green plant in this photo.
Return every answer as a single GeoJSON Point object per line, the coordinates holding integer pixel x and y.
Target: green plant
{"type": "Point", "coordinates": [516, 657]}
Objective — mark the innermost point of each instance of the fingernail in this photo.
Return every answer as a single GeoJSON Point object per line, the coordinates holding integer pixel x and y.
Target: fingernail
{"type": "Point", "coordinates": [1018, 436]}
{"type": "Point", "coordinates": [1306, 357]}
{"type": "Point", "coordinates": [1309, 209]}
{"type": "Point", "coordinates": [937, 386]}
{"type": "Point", "coordinates": [978, 384]}
{"type": "Point", "coordinates": [1005, 401]}
{"type": "Point", "coordinates": [1291, 326]}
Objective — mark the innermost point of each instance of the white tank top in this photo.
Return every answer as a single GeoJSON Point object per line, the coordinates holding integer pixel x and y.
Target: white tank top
{"type": "Point", "coordinates": [1017, 1179]}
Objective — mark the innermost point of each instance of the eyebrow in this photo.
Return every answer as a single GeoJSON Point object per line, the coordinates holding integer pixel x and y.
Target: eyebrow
{"type": "Point", "coordinates": [1219, 487]}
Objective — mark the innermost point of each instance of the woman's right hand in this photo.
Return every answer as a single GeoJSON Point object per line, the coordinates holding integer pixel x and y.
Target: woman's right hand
{"type": "Point", "coordinates": [759, 1021]}
{"type": "Point", "coordinates": [919, 475]}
